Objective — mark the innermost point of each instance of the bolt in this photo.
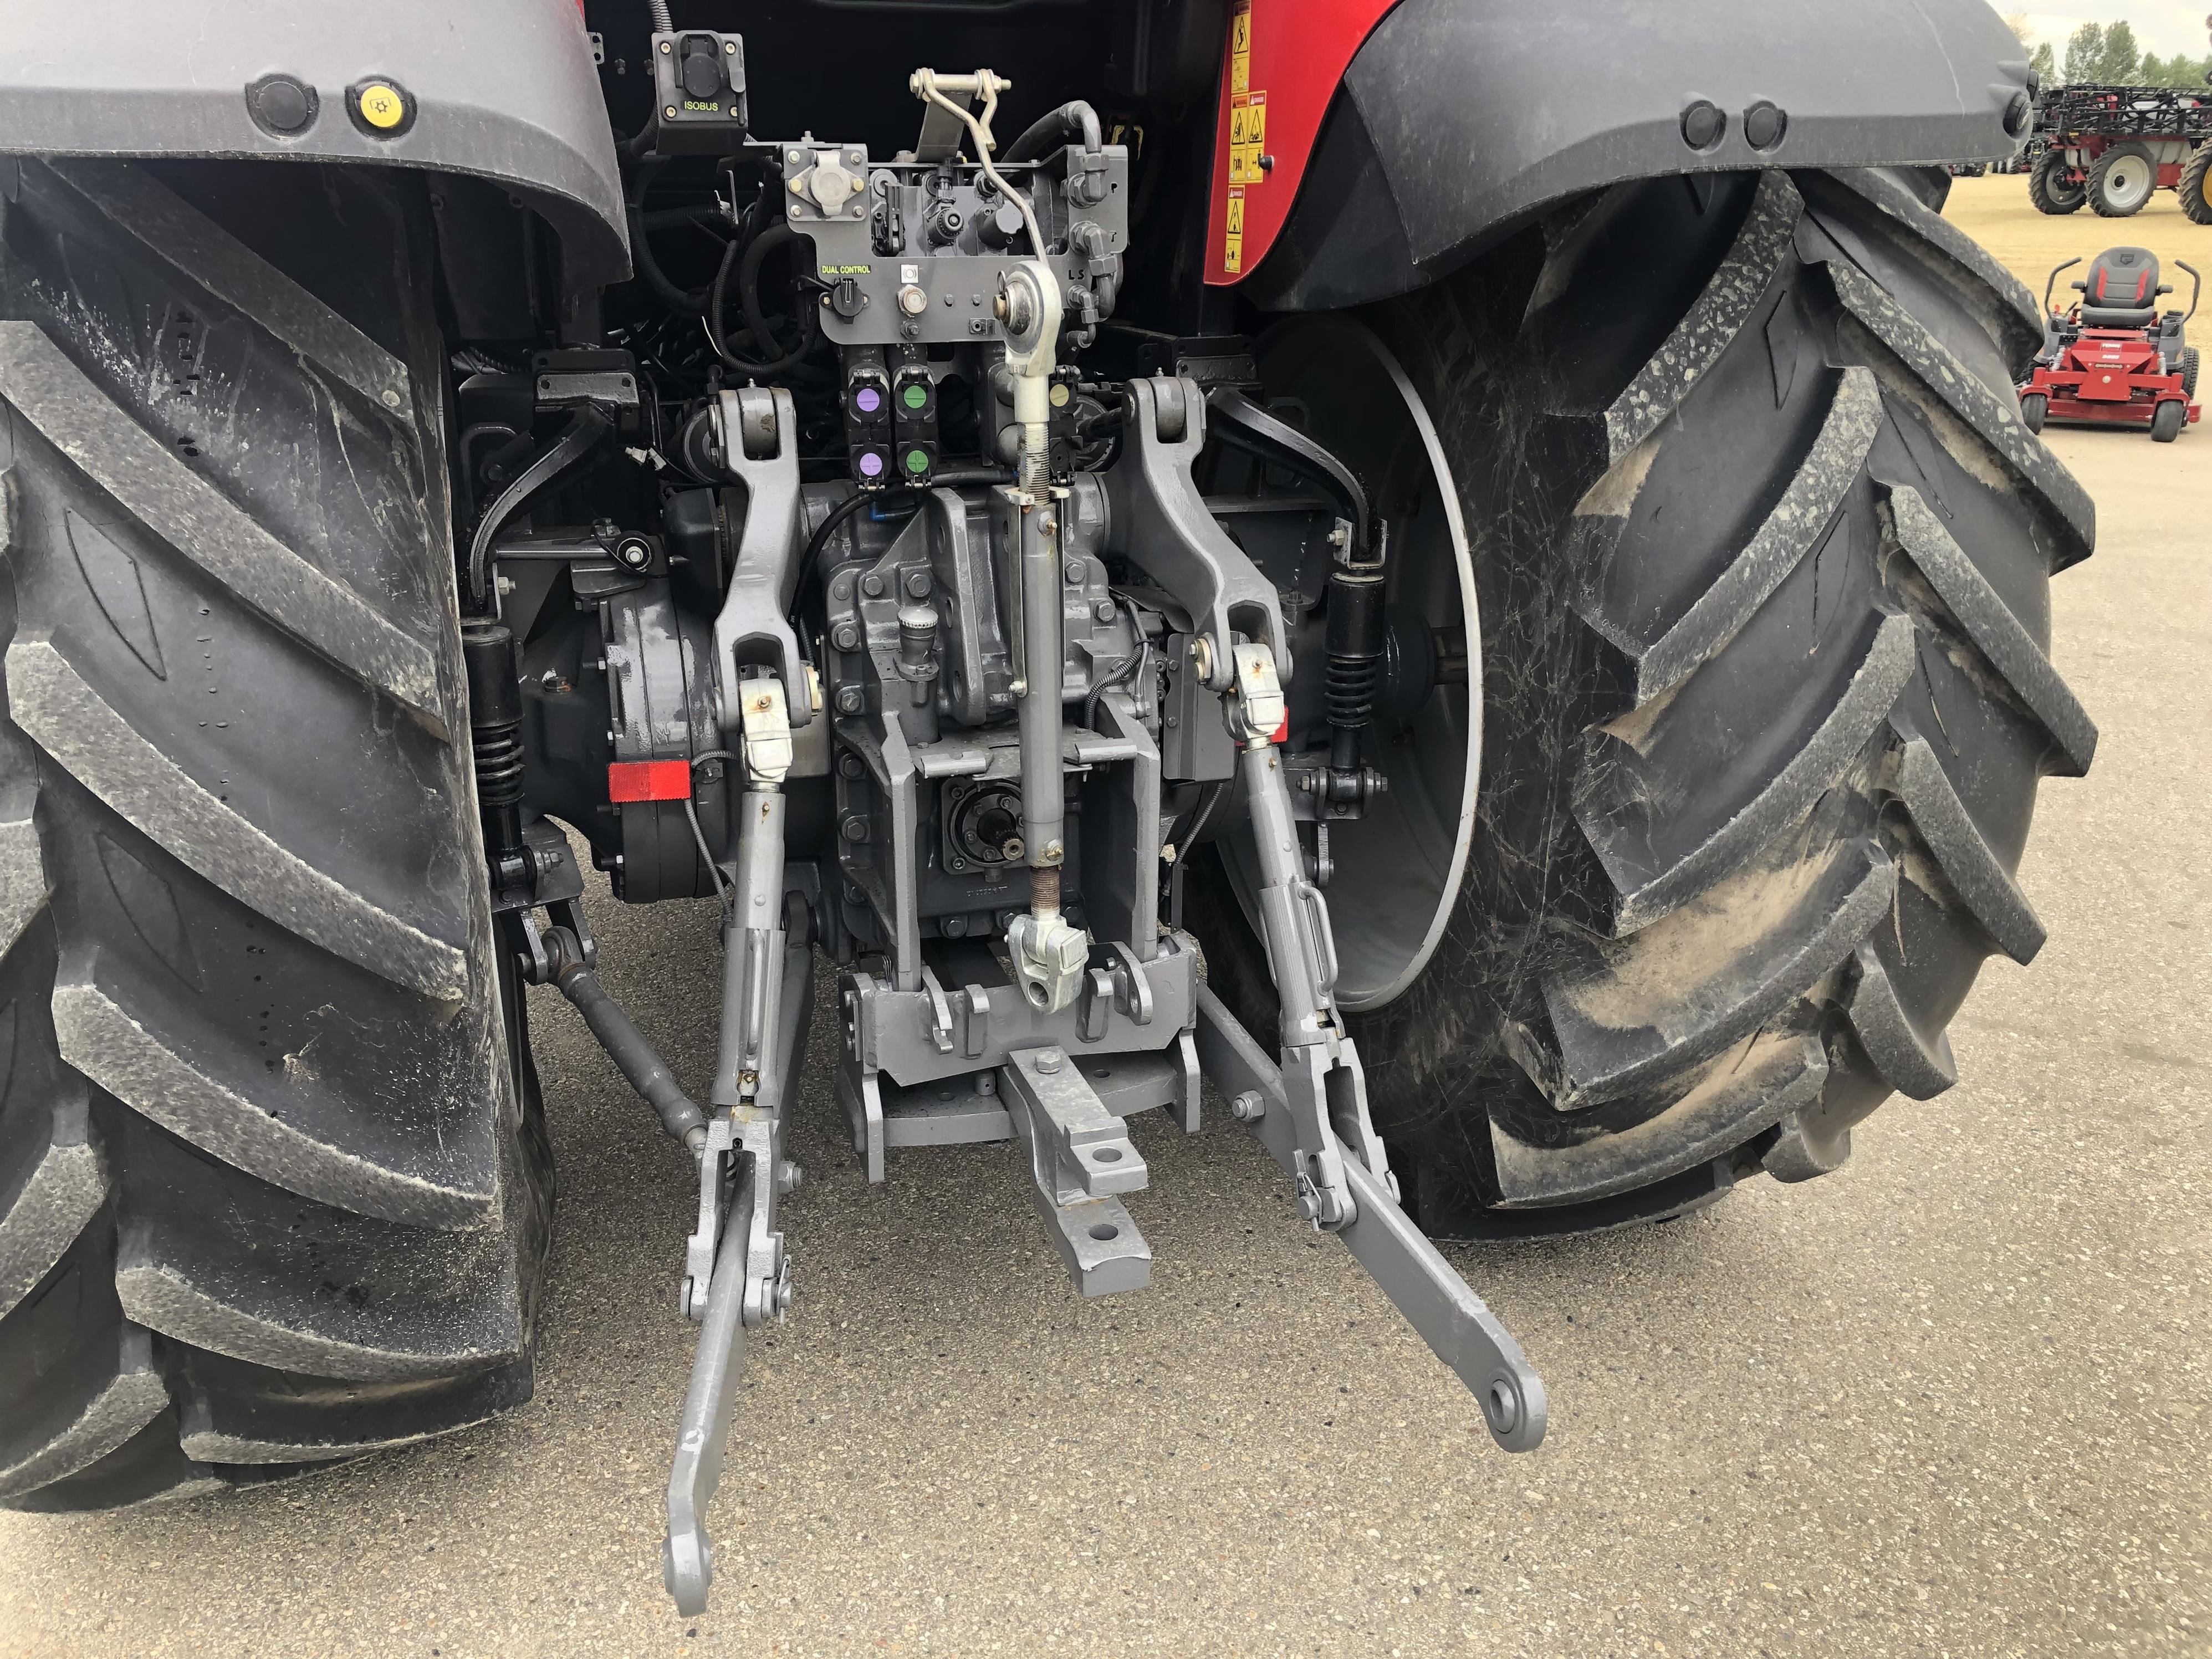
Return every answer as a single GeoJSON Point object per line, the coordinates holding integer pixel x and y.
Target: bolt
{"type": "Point", "coordinates": [788, 1176]}
{"type": "Point", "coordinates": [845, 636]}
{"type": "Point", "coordinates": [1048, 1060]}
{"type": "Point", "coordinates": [1075, 568]}
{"type": "Point", "coordinates": [852, 700]}
{"type": "Point", "coordinates": [872, 586]}
{"type": "Point", "coordinates": [958, 867]}
{"type": "Point", "coordinates": [917, 584]}
{"type": "Point", "coordinates": [849, 763]}
{"type": "Point", "coordinates": [1248, 1108]}
{"type": "Point", "coordinates": [956, 926]}
{"type": "Point", "coordinates": [1104, 610]}
{"type": "Point", "coordinates": [855, 828]}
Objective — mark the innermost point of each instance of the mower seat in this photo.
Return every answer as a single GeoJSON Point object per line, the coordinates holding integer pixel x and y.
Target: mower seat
{"type": "Point", "coordinates": [2121, 290]}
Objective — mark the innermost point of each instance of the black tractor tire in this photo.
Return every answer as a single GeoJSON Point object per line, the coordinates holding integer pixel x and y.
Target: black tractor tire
{"type": "Point", "coordinates": [275, 1188]}
{"type": "Point", "coordinates": [2189, 371]}
{"type": "Point", "coordinates": [2049, 189]}
{"type": "Point", "coordinates": [2034, 409]}
{"type": "Point", "coordinates": [2108, 199]}
{"type": "Point", "coordinates": [2191, 187]}
{"type": "Point", "coordinates": [2166, 421]}
{"type": "Point", "coordinates": [1762, 550]}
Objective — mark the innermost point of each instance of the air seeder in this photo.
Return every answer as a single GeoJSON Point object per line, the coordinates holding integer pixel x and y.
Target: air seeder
{"type": "Point", "coordinates": [2112, 359]}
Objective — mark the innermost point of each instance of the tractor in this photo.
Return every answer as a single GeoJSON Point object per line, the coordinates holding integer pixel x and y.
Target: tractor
{"type": "Point", "coordinates": [1471, 607]}
{"type": "Point", "coordinates": [2112, 359]}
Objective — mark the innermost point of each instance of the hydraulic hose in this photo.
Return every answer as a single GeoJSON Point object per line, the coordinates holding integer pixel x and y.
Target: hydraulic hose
{"type": "Point", "coordinates": [749, 270]}
{"type": "Point", "coordinates": [1073, 119]}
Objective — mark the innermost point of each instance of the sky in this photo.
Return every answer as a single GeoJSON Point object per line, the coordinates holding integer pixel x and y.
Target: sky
{"type": "Point", "coordinates": [2165, 27]}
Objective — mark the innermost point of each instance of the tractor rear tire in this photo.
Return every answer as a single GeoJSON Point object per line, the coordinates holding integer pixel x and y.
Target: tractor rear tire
{"type": "Point", "coordinates": [275, 1188]}
{"type": "Point", "coordinates": [2034, 409]}
{"type": "Point", "coordinates": [1762, 550]}
{"type": "Point", "coordinates": [2122, 181]}
{"type": "Point", "coordinates": [2166, 421]}
{"type": "Point", "coordinates": [2189, 371]}
{"type": "Point", "coordinates": [2050, 191]}
{"type": "Point", "coordinates": [2191, 187]}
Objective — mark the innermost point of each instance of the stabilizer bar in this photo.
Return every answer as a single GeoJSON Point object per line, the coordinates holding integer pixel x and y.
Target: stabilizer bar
{"type": "Point", "coordinates": [1436, 1301]}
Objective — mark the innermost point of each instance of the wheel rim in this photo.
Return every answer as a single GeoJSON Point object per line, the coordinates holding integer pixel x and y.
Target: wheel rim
{"type": "Point", "coordinates": [1398, 870]}
{"type": "Point", "coordinates": [2128, 181]}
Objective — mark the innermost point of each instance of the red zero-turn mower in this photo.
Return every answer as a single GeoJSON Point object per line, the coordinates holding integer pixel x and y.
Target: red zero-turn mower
{"type": "Point", "coordinates": [2110, 359]}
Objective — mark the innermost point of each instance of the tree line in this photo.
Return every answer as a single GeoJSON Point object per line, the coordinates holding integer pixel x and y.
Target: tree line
{"type": "Point", "coordinates": [2108, 54]}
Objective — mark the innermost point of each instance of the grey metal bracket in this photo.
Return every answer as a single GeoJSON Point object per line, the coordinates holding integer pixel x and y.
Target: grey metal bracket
{"type": "Point", "coordinates": [1081, 1159]}
{"type": "Point", "coordinates": [1158, 518]}
{"type": "Point", "coordinates": [753, 627]}
{"type": "Point", "coordinates": [1459, 1328]}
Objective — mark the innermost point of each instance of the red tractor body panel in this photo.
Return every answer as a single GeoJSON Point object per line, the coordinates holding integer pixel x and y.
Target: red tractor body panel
{"type": "Point", "coordinates": [1283, 61]}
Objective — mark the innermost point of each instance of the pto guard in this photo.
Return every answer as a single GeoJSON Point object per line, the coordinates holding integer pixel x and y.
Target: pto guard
{"type": "Point", "coordinates": [402, 83]}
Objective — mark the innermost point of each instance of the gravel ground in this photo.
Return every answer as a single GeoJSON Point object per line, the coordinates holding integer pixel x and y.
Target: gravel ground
{"type": "Point", "coordinates": [1950, 1401]}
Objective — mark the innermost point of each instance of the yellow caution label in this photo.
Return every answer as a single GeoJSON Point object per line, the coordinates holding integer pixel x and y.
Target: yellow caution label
{"type": "Point", "coordinates": [382, 106]}
{"type": "Point", "coordinates": [1232, 246]}
{"type": "Point", "coordinates": [1240, 48]}
{"type": "Point", "coordinates": [1248, 138]}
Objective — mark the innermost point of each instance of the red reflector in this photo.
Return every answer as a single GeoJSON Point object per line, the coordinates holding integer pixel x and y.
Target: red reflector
{"type": "Point", "coordinates": [633, 781]}
{"type": "Point", "coordinates": [1283, 731]}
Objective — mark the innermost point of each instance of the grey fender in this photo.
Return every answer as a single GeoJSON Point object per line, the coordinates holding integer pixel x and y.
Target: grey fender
{"type": "Point", "coordinates": [502, 89]}
{"type": "Point", "coordinates": [1459, 120]}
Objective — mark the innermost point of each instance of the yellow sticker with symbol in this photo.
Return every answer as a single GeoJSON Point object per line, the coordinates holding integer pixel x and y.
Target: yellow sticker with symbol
{"type": "Point", "coordinates": [1240, 48]}
{"type": "Point", "coordinates": [1232, 246]}
{"type": "Point", "coordinates": [382, 106]}
{"type": "Point", "coordinates": [1248, 138]}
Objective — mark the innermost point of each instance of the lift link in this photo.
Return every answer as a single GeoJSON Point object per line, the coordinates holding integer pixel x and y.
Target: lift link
{"type": "Point", "coordinates": [737, 1272]}
{"type": "Point", "coordinates": [1324, 1087]}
